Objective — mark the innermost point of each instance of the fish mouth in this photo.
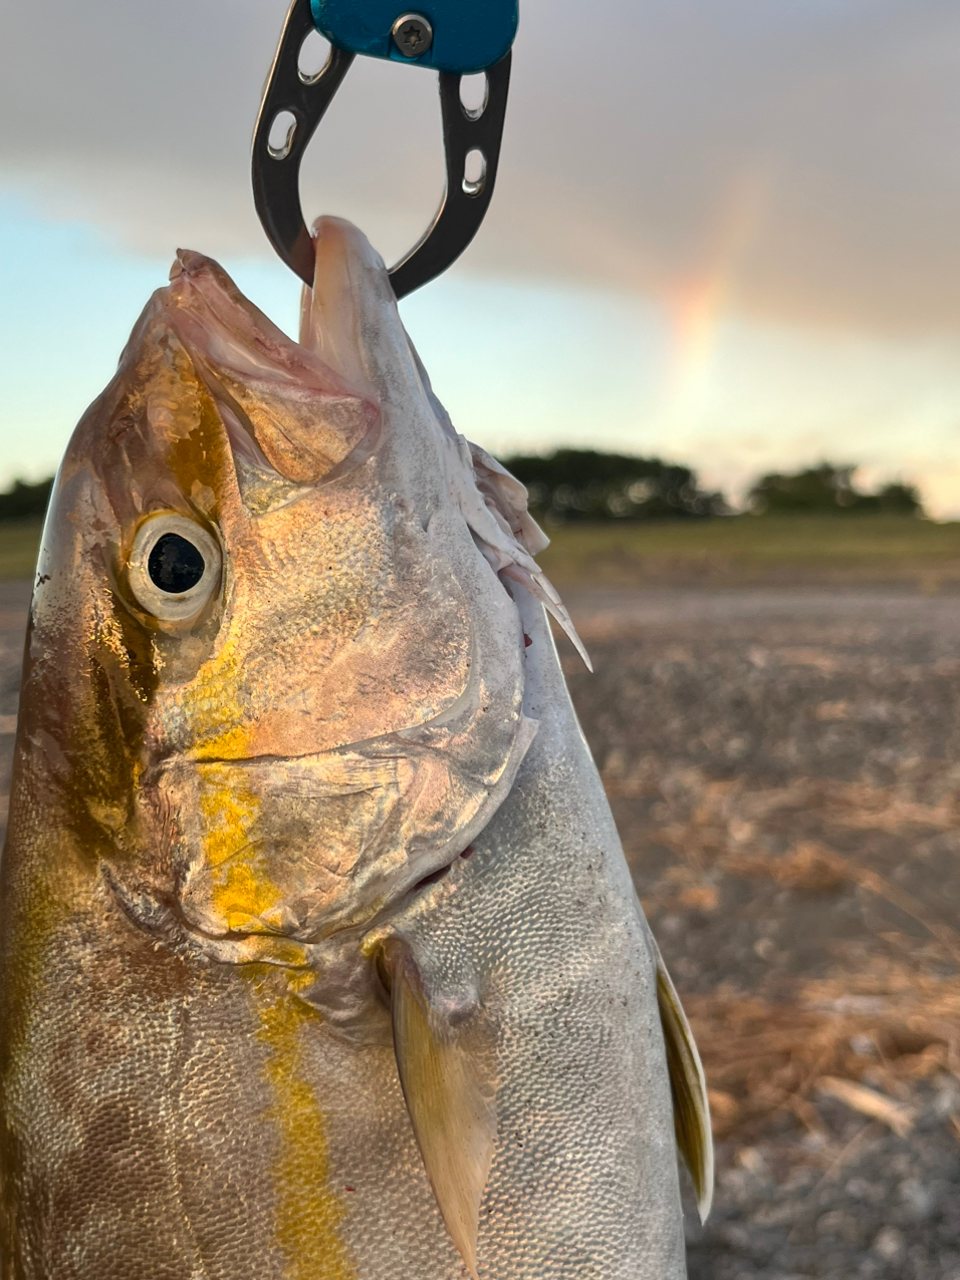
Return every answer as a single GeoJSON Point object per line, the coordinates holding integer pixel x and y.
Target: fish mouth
{"type": "Point", "coordinates": [286, 409]}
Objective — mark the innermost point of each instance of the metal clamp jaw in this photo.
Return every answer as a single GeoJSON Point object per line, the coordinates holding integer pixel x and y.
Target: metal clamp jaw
{"type": "Point", "coordinates": [408, 37]}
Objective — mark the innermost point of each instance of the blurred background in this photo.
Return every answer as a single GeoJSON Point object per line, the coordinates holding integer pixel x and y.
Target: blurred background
{"type": "Point", "coordinates": [712, 320]}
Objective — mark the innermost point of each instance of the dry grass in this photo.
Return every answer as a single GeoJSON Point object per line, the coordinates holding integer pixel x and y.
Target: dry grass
{"type": "Point", "coordinates": [762, 1058]}
{"type": "Point", "coordinates": [860, 1035]}
{"type": "Point", "coordinates": [750, 549]}
{"type": "Point", "coordinates": [19, 544]}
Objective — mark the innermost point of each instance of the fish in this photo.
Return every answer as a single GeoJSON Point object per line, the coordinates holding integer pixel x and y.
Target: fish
{"type": "Point", "coordinates": [320, 958]}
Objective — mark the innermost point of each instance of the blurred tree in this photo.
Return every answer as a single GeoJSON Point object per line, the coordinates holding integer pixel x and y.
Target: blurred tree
{"type": "Point", "coordinates": [25, 499]}
{"type": "Point", "coordinates": [902, 499]}
{"type": "Point", "coordinates": [584, 484]}
{"type": "Point", "coordinates": [825, 488]}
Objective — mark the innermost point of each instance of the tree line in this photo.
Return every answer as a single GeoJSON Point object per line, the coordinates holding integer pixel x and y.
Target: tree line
{"type": "Point", "coordinates": [586, 484]}
{"type": "Point", "coordinates": [23, 500]}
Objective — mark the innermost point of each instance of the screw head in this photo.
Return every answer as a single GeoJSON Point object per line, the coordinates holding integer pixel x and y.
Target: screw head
{"type": "Point", "coordinates": [412, 34]}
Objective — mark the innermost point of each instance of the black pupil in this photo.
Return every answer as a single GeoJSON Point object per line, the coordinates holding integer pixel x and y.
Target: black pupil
{"type": "Point", "coordinates": [175, 565]}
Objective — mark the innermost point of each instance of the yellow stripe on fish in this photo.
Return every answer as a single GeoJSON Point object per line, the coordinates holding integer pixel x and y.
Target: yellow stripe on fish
{"type": "Point", "coordinates": [308, 1213]}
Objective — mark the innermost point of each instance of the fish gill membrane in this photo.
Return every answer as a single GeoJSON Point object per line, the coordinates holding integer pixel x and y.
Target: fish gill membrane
{"type": "Point", "coordinates": [320, 958]}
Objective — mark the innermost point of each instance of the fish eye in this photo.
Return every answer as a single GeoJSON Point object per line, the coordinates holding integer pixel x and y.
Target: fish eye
{"type": "Point", "coordinates": [174, 567]}
{"type": "Point", "coordinates": [175, 564]}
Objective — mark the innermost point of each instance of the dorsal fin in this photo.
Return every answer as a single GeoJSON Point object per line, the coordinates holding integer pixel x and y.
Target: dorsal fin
{"type": "Point", "coordinates": [691, 1111]}
{"type": "Point", "coordinates": [447, 1075]}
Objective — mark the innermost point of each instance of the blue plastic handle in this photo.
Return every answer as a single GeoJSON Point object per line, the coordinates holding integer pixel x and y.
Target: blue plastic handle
{"type": "Point", "coordinates": [468, 35]}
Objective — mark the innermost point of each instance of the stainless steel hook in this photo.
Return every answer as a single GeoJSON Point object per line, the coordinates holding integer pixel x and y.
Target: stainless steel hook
{"type": "Point", "coordinates": [276, 169]}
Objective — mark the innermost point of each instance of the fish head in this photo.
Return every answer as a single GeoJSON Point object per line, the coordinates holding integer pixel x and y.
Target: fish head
{"type": "Point", "coordinates": [281, 679]}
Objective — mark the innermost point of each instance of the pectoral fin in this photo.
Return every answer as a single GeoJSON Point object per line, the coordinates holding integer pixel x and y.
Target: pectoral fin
{"type": "Point", "coordinates": [691, 1111]}
{"type": "Point", "coordinates": [447, 1075]}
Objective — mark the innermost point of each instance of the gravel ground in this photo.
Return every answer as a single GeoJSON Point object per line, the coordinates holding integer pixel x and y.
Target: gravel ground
{"type": "Point", "coordinates": [784, 768]}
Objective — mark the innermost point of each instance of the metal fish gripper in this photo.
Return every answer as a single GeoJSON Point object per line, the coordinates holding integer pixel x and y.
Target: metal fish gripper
{"type": "Point", "coordinates": [454, 38]}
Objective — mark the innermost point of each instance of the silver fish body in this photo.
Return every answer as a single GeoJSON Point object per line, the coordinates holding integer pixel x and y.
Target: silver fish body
{"type": "Point", "coordinates": [320, 957]}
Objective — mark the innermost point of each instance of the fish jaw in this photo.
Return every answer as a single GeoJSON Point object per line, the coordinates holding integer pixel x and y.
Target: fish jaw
{"type": "Point", "coordinates": [339, 311]}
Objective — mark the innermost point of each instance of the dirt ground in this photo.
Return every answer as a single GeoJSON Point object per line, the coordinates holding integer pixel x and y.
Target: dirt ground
{"type": "Point", "coordinates": [784, 766]}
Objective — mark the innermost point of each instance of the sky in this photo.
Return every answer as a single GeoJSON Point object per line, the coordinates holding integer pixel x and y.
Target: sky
{"type": "Point", "coordinates": [722, 233]}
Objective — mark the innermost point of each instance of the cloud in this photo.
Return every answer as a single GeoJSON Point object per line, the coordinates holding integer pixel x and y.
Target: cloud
{"type": "Point", "coordinates": [803, 151]}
